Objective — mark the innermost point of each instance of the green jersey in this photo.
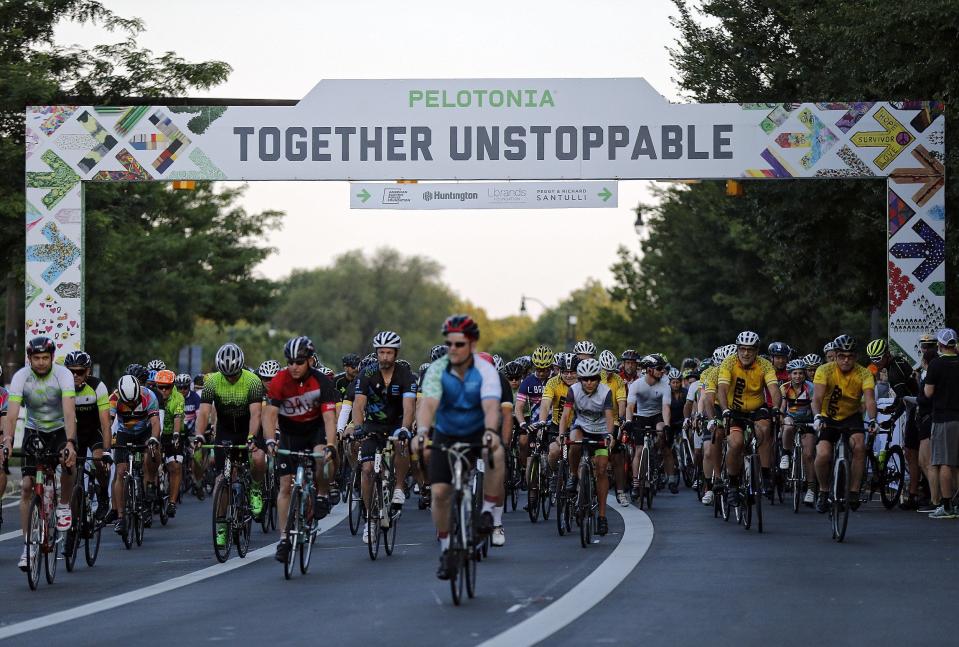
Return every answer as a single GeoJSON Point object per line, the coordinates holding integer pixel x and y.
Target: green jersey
{"type": "Point", "coordinates": [232, 401]}
{"type": "Point", "coordinates": [173, 408]}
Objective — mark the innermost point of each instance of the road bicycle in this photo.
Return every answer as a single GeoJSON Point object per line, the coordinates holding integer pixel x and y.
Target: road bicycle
{"type": "Point", "coordinates": [513, 472]}
{"type": "Point", "coordinates": [300, 523]}
{"type": "Point", "coordinates": [87, 525]}
{"type": "Point", "coordinates": [750, 480]}
{"type": "Point", "coordinates": [649, 467]}
{"type": "Point", "coordinates": [382, 517]}
{"type": "Point", "coordinates": [798, 478]}
{"type": "Point", "coordinates": [539, 498]}
{"type": "Point", "coordinates": [839, 489]}
{"type": "Point", "coordinates": [884, 472]}
{"type": "Point", "coordinates": [231, 501]}
{"type": "Point", "coordinates": [42, 538]}
{"type": "Point", "coordinates": [136, 510]}
{"type": "Point", "coordinates": [587, 505]}
{"type": "Point", "coordinates": [271, 486]}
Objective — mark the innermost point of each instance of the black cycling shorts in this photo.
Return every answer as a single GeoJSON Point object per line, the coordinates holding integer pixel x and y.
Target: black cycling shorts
{"type": "Point", "coordinates": [439, 461]}
{"type": "Point", "coordinates": [286, 465]}
{"type": "Point", "coordinates": [741, 419]}
{"type": "Point", "coordinates": [172, 451]}
{"type": "Point", "coordinates": [833, 429]}
{"type": "Point", "coordinates": [639, 425]}
{"type": "Point", "coordinates": [50, 440]}
{"type": "Point", "coordinates": [120, 454]}
{"type": "Point", "coordinates": [236, 440]}
{"type": "Point", "coordinates": [88, 439]}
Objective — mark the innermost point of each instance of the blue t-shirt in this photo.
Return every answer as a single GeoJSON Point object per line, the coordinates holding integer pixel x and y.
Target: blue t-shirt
{"type": "Point", "coordinates": [460, 411]}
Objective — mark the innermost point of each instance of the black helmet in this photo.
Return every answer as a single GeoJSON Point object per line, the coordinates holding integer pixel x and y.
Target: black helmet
{"type": "Point", "coordinates": [299, 348]}
{"type": "Point", "coordinates": [198, 380]}
{"type": "Point", "coordinates": [513, 370]}
{"type": "Point", "coordinates": [139, 371]}
{"type": "Point", "coordinates": [351, 359]}
{"type": "Point", "coordinates": [41, 345]}
{"type": "Point", "coordinates": [437, 352]}
{"type": "Point", "coordinates": [779, 348]}
{"type": "Point", "coordinates": [78, 358]}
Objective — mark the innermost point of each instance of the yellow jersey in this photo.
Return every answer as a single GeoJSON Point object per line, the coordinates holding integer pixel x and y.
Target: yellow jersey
{"type": "Point", "coordinates": [556, 390]}
{"type": "Point", "coordinates": [708, 379]}
{"type": "Point", "coordinates": [747, 391]}
{"type": "Point", "coordinates": [843, 390]}
{"type": "Point", "coordinates": [615, 384]}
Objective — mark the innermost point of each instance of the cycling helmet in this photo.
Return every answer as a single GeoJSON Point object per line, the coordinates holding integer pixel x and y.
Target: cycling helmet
{"type": "Point", "coordinates": [437, 352]}
{"type": "Point", "coordinates": [588, 367]}
{"type": "Point", "coordinates": [778, 348]}
{"type": "Point", "coordinates": [526, 361]}
{"type": "Point", "coordinates": [629, 354]}
{"type": "Point", "coordinates": [828, 347]}
{"type": "Point", "coordinates": [486, 356]}
{"type": "Point", "coordinates": [844, 343]}
{"type": "Point", "coordinates": [139, 371]}
{"type": "Point", "coordinates": [403, 362]}
{"type": "Point", "coordinates": [557, 358]}
{"type": "Point", "coordinates": [350, 359]}
{"type": "Point", "coordinates": [652, 361]}
{"type": "Point", "coordinates": [229, 359]}
{"type": "Point", "coordinates": [726, 351]}
{"type": "Point", "coordinates": [497, 362]}
{"type": "Point", "coordinates": [674, 374]}
{"type": "Point", "coordinates": [423, 367]}
{"type": "Point", "coordinates": [747, 338]}
{"type": "Point", "coordinates": [78, 358]}
{"type": "Point", "coordinates": [567, 362]}
{"type": "Point", "coordinates": [928, 339]}
{"type": "Point", "coordinates": [368, 363]}
{"type": "Point", "coordinates": [513, 370]}
{"type": "Point", "coordinates": [270, 368]}
{"type": "Point", "coordinates": [812, 360]}
{"type": "Point", "coordinates": [876, 348]}
{"type": "Point", "coordinates": [387, 339]}
{"type": "Point", "coordinates": [691, 373]}
{"type": "Point", "coordinates": [326, 370]}
{"type": "Point", "coordinates": [41, 345]}
{"type": "Point", "coordinates": [156, 365]}
{"type": "Point", "coordinates": [198, 379]}
{"type": "Point", "coordinates": [584, 347]}
{"type": "Point", "coordinates": [461, 324]}
{"type": "Point", "coordinates": [795, 365]}
{"type": "Point", "coordinates": [608, 361]}
{"type": "Point", "coordinates": [689, 363]}
{"type": "Point", "coordinates": [183, 381]}
{"type": "Point", "coordinates": [165, 378]}
{"type": "Point", "coordinates": [542, 357]}
{"type": "Point", "coordinates": [706, 363]}
{"type": "Point", "coordinates": [299, 348]}
{"type": "Point", "coordinates": [128, 390]}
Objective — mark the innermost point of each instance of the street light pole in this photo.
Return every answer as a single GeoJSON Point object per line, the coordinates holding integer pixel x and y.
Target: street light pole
{"type": "Point", "coordinates": [524, 299]}
{"type": "Point", "coordinates": [570, 331]}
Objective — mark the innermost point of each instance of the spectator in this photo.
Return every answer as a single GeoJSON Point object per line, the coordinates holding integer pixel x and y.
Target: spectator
{"type": "Point", "coordinates": [929, 348]}
{"type": "Point", "coordinates": [942, 387]}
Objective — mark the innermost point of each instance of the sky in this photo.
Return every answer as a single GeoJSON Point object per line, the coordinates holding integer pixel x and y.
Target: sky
{"type": "Point", "coordinates": [281, 49]}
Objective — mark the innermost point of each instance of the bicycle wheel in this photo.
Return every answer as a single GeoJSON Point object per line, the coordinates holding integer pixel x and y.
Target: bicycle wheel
{"type": "Point", "coordinates": [471, 556]}
{"type": "Point", "coordinates": [545, 501]}
{"type": "Point", "coordinates": [584, 503]}
{"type": "Point", "coordinates": [533, 494]}
{"type": "Point", "coordinates": [891, 478]}
{"type": "Point", "coordinates": [393, 518]}
{"type": "Point", "coordinates": [756, 493]}
{"type": "Point", "coordinates": [141, 510]}
{"type": "Point", "coordinates": [373, 518]}
{"type": "Point", "coordinates": [163, 493]}
{"type": "Point", "coordinates": [562, 501]}
{"type": "Point", "coordinates": [839, 511]}
{"type": "Point", "coordinates": [129, 510]}
{"type": "Point", "coordinates": [456, 550]}
{"type": "Point", "coordinates": [306, 541]}
{"type": "Point", "coordinates": [643, 478]}
{"type": "Point", "coordinates": [242, 521]}
{"type": "Point", "coordinates": [71, 543]}
{"type": "Point", "coordinates": [269, 495]}
{"type": "Point", "coordinates": [796, 478]}
{"type": "Point", "coordinates": [688, 464]}
{"type": "Point", "coordinates": [744, 514]}
{"type": "Point", "coordinates": [292, 530]}
{"type": "Point", "coordinates": [354, 503]}
{"type": "Point", "coordinates": [34, 542]}
{"type": "Point", "coordinates": [222, 516]}
{"type": "Point", "coordinates": [91, 536]}
{"type": "Point", "coordinates": [53, 544]}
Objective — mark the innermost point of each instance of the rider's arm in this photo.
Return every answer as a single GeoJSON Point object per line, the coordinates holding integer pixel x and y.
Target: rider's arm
{"type": "Point", "coordinates": [269, 421]}
{"type": "Point", "coordinates": [255, 409]}
{"type": "Point", "coordinates": [667, 412]}
{"type": "Point", "coordinates": [819, 392]}
{"type": "Point", "coordinates": [631, 398]}
{"type": "Point", "coordinates": [359, 408]}
{"type": "Point", "coordinates": [721, 393]}
{"type": "Point", "coordinates": [870, 396]}
{"type": "Point", "coordinates": [519, 412]}
{"type": "Point", "coordinates": [10, 424]}
{"type": "Point", "coordinates": [202, 417]}
{"type": "Point", "coordinates": [506, 427]}
{"type": "Point", "coordinates": [724, 376]}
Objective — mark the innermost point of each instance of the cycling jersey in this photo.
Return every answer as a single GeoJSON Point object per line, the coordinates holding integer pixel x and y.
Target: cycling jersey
{"type": "Point", "coordinates": [616, 385]}
{"type": "Point", "coordinates": [232, 401]}
{"type": "Point", "coordinates": [173, 407]}
{"type": "Point", "coordinates": [4, 401]}
{"type": "Point", "coordinates": [798, 400]}
{"type": "Point", "coordinates": [556, 390]}
{"type": "Point", "coordinates": [91, 399]}
{"type": "Point", "coordinates": [302, 402]}
{"type": "Point", "coordinates": [191, 404]}
{"type": "Point", "coordinates": [460, 411]}
{"type": "Point", "coordinates": [677, 402]}
{"type": "Point", "coordinates": [843, 391]}
{"type": "Point", "coordinates": [589, 409]}
{"type": "Point", "coordinates": [531, 392]}
{"type": "Point", "coordinates": [135, 419]}
{"type": "Point", "coordinates": [747, 383]}
{"type": "Point", "coordinates": [384, 401]}
{"type": "Point", "coordinates": [647, 397]}
{"type": "Point", "coordinates": [42, 396]}
{"type": "Point", "coordinates": [693, 392]}
{"type": "Point", "coordinates": [710, 379]}
{"type": "Point", "coordinates": [342, 384]}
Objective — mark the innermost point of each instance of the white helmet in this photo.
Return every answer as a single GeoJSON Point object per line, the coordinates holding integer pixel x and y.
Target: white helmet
{"type": "Point", "coordinates": [156, 365]}
{"type": "Point", "coordinates": [229, 359]}
{"type": "Point", "coordinates": [128, 390]}
{"type": "Point", "coordinates": [674, 374]}
{"type": "Point", "coordinates": [585, 347]}
{"type": "Point", "coordinates": [387, 339]}
{"type": "Point", "coordinates": [844, 343]}
{"type": "Point", "coordinates": [268, 369]}
{"type": "Point", "coordinates": [747, 338]}
{"type": "Point", "coordinates": [588, 367]}
{"type": "Point", "coordinates": [608, 360]}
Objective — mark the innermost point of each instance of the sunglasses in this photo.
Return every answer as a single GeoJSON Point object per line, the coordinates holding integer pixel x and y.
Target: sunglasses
{"type": "Point", "coordinates": [845, 355]}
{"type": "Point", "coordinates": [298, 362]}
{"type": "Point", "coordinates": [595, 378]}
{"type": "Point", "coordinates": [166, 387]}
{"type": "Point", "coordinates": [456, 344]}
{"type": "Point", "coordinates": [78, 371]}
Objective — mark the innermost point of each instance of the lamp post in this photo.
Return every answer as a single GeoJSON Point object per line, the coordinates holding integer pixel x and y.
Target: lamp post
{"type": "Point", "coordinates": [571, 320]}
{"type": "Point", "coordinates": [522, 303]}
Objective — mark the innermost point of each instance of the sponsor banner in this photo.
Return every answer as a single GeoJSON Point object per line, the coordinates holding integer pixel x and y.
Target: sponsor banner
{"type": "Point", "coordinates": [484, 195]}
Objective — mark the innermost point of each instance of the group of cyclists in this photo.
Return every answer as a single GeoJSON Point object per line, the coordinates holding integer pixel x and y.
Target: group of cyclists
{"type": "Point", "coordinates": [554, 404]}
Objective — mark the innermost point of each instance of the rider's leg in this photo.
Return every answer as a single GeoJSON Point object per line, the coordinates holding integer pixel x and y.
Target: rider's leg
{"type": "Point", "coordinates": [823, 459]}
{"type": "Point", "coordinates": [600, 463]}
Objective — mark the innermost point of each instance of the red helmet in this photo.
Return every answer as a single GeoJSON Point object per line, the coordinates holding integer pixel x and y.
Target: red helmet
{"type": "Point", "coordinates": [462, 324]}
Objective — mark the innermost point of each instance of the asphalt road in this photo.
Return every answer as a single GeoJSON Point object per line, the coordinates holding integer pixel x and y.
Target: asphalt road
{"type": "Point", "coordinates": [702, 581]}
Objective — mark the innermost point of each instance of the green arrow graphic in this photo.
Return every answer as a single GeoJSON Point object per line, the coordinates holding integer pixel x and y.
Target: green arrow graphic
{"type": "Point", "coordinates": [605, 194]}
{"type": "Point", "coordinates": [60, 179]}
{"type": "Point", "coordinates": [363, 195]}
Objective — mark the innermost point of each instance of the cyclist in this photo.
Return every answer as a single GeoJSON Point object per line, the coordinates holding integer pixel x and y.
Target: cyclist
{"type": "Point", "coordinates": [647, 408]}
{"type": "Point", "coordinates": [302, 405]}
{"type": "Point", "coordinates": [93, 421]}
{"type": "Point", "coordinates": [779, 353]}
{"type": "Point", "coordinates": [551, 408]}
{"type": "Point", "coordinates": [351, 368]}
{"type": "Point", "coordinates": [4, 468]}
{"type": "Point", "coordinates": [628, 372]}
{"type": "Point", "coordinates": [588, 412]}
{"type": "Point", "coordinates": [611, 378]}
{"type": "Point", "coordinates": [191, 405]}
{"type": "Point", "coordinates": [584, 349]}
{"type": "Point", "coordinates": [461, 396]}
{"type": "Point", "coordinates": [715, 433]}
{"type": "Point", "coordinates": [677, 402]}
{"type": "Point", "coordinates": [829, 352]}
{"type": "Point", "coordinates": [498, 537]}
{"type": "Point", "coordinates": [749, 377]}
{"type": "Point", "coordinates": [840, 388]}
{"type": "Point", "coordinates": [384, 405]}
{"type": "Point", "coordinates": [172, 404]}
{"type": "Point", "coordinates": [137, 414]}
{"type": "Point", "coordinates": [812, 362]}
{"type": "Point", "coordinates": [236, 396]}
{"type": "Point", "coordinates": [528, 399]}
{"type": "Point", "coordinates": [46, 391]}
{"type": "Point", "coordinates": [796, 406]}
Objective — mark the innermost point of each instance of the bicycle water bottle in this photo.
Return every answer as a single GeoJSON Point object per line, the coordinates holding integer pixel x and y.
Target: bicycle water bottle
{"type": "Point", "coordinates": [882, 458]}
{"type": "Point", "coordinates": [47, 498]}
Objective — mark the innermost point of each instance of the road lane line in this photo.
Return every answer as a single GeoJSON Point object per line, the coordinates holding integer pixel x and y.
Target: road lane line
{"type": "Point", "coordinates": [637, 537]}
{"type": "Point", "coordinates": [155, 589]}
{"type": "Point", "coordinates": [10, 535]}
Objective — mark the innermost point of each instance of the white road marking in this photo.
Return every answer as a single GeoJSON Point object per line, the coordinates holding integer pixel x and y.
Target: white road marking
{"type": "Point", "coordinates": [12, 503]}
{"type": "Point", "coordinates": [155, 589]}
{"type": "Point", "coordinates": [637, 537]}
{"type": "Point", "coordinates": [515, 607]}
{"type": "Point", "coordinates": [10, 535]}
